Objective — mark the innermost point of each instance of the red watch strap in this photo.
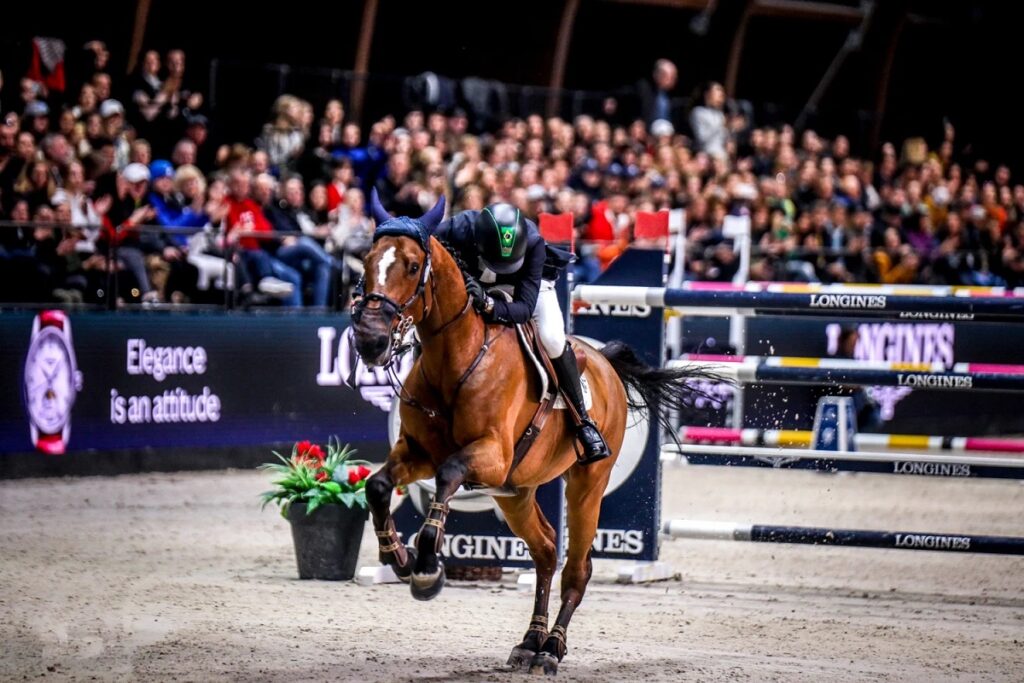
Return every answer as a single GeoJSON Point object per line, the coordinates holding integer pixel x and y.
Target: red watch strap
{"type": "Point", "coordinates": [51, 444]}
{"type": "Point", "coordinates": [52, 318]}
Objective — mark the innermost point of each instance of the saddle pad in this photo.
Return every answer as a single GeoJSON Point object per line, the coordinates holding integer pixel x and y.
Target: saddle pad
{"type": "Point", "coordinates": [545, 381]}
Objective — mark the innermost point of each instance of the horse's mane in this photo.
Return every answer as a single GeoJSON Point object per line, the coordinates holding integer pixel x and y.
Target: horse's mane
{"type": "Point", "coordinates": [454, 253]}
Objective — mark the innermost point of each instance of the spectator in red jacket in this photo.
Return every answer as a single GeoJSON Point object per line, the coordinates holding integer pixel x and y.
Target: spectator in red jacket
{"type": "Point", "coordinates": [245, 215]}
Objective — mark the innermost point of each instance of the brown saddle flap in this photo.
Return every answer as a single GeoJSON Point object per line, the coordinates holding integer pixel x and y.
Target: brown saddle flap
{"type": "Point", "coordinates": [545, 407]}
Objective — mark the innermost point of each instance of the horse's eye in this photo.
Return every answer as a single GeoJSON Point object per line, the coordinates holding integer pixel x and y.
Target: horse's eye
{"type": "Point", "coordinates": [414, 268]}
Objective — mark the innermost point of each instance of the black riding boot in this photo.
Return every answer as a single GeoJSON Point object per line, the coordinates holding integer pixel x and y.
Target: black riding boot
{"type": "Point", "coordinates": [594, 447]}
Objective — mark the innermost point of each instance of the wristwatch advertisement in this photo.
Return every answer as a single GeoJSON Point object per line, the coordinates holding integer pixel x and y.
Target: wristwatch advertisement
{"type": "Point", "coordinates": [51, 382]}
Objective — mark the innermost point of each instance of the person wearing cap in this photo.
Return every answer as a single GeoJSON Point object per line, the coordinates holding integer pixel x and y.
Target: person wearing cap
{"type": "Point", "coordinates": [171, 248]}
{"type": "Point", "coordinates": [501, 247]}
{"type": "Point", "coordinates": [170, 210]}
{"type": "Point", "coordinates": [112, 112]}
{"type": "Point", "coordinates": [36, 119]}
{"type": "Point", "coordinates": [129, 208]}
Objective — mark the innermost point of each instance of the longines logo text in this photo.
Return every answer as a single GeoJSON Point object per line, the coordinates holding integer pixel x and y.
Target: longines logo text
{"type": "Point", "coordinates": [933, 542]}
{"type": "Point", "coordinates": [339, 364]}
{"type": "Point", "coordinates": [935, 315]}
{"type": "Point", "coordinates": [619, 541]}
{"type": "Point", "coordinates": [933, 469]}
{"type": "Point", "coordinates": [483, 547]}
{"type": "Point", "coordinates": [848, 301]}
{"type": "Point", "coordinates": [615, 310]}
{"type": "Point", "coordinates": [935, 381]}
{"type": "Point", "coordinates": [467, 547]}
{"type": "Point", "coordinates": [898, 343]}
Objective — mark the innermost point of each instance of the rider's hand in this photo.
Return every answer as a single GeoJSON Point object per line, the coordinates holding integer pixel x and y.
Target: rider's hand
{"type": "Point", "coordinates": [476, 292]}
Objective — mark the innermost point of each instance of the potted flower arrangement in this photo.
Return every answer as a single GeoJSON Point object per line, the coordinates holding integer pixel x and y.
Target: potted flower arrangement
{"type": "Point", "coordinates": [323, 496]}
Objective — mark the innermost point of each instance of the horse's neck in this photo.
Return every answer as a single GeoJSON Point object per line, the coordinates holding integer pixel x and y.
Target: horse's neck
{"type": "Point", "coordinates": [449, 329]}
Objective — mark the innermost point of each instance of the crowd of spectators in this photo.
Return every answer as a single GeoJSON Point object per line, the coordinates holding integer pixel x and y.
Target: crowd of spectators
{"type": "Point", "coordinates": [283, 218]}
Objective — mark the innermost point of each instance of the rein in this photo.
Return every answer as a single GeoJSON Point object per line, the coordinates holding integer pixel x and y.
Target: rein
{"type": "Point", "coordinates": [404, 323]}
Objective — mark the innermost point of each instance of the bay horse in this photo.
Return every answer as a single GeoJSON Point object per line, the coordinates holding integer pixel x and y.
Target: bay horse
{"type": "Point", "coordinates": [467, 399]}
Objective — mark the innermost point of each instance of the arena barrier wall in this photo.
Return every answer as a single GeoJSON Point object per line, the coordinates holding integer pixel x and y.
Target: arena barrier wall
{"type": "Point", "coordinates": [166, 390]}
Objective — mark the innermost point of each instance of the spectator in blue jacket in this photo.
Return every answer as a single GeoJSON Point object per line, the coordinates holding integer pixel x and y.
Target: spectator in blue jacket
{"type": "Point", "coordinates": [171, 211]}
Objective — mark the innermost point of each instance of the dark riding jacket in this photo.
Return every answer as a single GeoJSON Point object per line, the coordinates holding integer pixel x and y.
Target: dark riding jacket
{"type": "Point", "coordinates": [542, 262]}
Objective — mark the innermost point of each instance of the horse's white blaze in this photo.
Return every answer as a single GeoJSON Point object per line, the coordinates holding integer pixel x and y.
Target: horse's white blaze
{"type": "Point", "coordinates": [386, 261]}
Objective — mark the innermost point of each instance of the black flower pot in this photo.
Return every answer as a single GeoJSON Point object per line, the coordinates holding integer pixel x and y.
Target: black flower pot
{"type": "Point", "coordinates": [327, 541]}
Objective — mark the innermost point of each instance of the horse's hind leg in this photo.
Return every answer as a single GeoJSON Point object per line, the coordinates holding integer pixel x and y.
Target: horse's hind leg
{"type": "Point", "coordinates": [400, 468]}
{"type": "Point", "coordinates": [583, 494]}
{"type": "Point", "coordinates": [526, 521]}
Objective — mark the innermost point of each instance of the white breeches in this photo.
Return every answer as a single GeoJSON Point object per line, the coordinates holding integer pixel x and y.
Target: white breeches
{"type": "Point", "coordinates": [550, 323]}
{"type": "Point", "coordinates": [548, 316]}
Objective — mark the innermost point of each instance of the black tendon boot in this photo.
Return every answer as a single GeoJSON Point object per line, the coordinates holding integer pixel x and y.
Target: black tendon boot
{"type": "Point", "coordinates": [594, 447]}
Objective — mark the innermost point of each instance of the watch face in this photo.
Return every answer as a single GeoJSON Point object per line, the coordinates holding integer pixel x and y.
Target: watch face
{"type": "Point", "coordinates": [49, 381]}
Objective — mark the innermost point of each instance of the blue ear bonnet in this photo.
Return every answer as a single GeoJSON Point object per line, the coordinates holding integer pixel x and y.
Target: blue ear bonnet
{"type": "Point", "coordinates": [418, 229]}
{"type": "Point", "coordinates": [403, 226]}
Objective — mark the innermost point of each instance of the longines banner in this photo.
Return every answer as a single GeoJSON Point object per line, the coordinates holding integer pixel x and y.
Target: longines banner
{"type": "Point", "coordinates": [903, 410]}
{"type": "Point", "coordinates": [85, 381]}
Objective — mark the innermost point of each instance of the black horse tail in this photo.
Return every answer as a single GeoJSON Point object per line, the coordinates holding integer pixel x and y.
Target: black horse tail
{"type": "Point", "coordinates": [662, 391]}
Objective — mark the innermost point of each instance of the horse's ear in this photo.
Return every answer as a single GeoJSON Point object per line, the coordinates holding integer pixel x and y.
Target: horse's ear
{"type": "Point", "coordinates": [433, 218]}
{"type": "Point", "coordinates": [380, 214]}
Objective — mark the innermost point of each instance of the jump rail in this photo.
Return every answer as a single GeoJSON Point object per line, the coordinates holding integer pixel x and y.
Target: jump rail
{"type": "Point", "coordinates": [990, 467]}
{"type": "Point", "coordinates": [804, 438]}
{"type": "Point", "coordinates": [899, 540]}
{"type": "Point", "coordinates": [843, 288]}
{"type": "Point", "coordinates": [916, 376]}
{"type": "Point", "coordinates": [854, 364]}
{"type": "Point", "coordinates": [717, 302]}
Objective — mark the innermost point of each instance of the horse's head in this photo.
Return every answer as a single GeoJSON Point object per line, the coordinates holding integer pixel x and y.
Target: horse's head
{"type": "Point", "coordinates": [396, 272]}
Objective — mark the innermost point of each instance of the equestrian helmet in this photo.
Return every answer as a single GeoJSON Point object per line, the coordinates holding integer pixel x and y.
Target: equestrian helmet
{"type": "Point", "coordinates": [500, 232]}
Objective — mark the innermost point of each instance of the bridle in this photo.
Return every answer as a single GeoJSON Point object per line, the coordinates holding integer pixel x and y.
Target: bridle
{"type": "Point", "coordinates": [402, 323]}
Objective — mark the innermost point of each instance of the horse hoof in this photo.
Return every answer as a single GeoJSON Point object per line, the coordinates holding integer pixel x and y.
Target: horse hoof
{"type": "Point", "coordinates": [544, 663]}
{"type": "Point", "coordinates": [408, 567]}
{"type": "Point", "coordinates": [520, 658]}
{"type": "Point", "coordinates": [427, 586]}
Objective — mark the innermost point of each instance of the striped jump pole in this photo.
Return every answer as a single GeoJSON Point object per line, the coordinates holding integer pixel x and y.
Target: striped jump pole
{"type": "Point", "coordinates": [935, 465]}
{"type": "Point", "coordinates": [844, 373]}
{"type": "Point", "coordinates": [844, 288]}
{"type": "Point", "coordinates": [804, 439]}
{"type": "Point", "coordinates": [855, 364]}
{"type": "Point", "coordinates": [891, 306]}
{"type": "Point", "coordinates": [897, 540]}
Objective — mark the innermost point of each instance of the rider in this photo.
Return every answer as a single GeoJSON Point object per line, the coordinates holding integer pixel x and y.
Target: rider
{"type": "Point", "coordinates": [499, 246]}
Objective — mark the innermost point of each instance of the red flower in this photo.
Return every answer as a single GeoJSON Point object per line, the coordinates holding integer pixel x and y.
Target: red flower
{"type": "Point", "coordinates": [314, 453]}
{"type": "Point", "coordinates": [364, 471]}
{"type": "Point", "coordinates": [301, 447]}
{"type": "Point", "coordinates": [353, 476]}
{"type": "Point", "coordinates": [321, 476]}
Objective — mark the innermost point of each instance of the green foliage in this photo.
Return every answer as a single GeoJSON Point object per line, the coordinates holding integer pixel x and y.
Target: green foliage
{"type": "Point", "coordinates": [312, 477]}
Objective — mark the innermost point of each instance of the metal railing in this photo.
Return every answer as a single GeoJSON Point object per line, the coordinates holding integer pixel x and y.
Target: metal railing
{"type": "Point", "coordinates": [230, 251]}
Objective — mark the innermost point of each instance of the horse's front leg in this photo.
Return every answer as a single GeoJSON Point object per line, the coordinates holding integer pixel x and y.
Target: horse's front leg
{"type": "Point", "coordinates": [401, 468]}
{"type": "Point", "coordinates": [481, 462]}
